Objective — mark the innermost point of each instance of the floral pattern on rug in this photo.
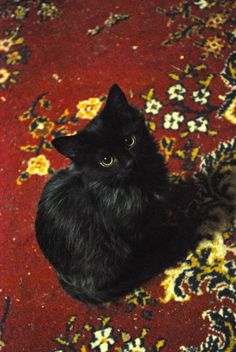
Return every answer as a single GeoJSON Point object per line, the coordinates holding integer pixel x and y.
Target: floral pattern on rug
{"type": "Point", "coordinates": [216, 178]}
{"type": "Point", "coordinates": [207, 264]}
{"type": "Point", "coordinates": [104, 338]}
{"type": "Point", "coordinates": [14, 53]}
{"type": "Point", "coordinates": [228, 109]}
{"type": "Point", "coordinates": [222, 332]}
{"type": "Point", "coordinates": [215, 32]}
{"type": "Point", "coordinates": [210, 269]}
{"type": "Point", "coordinates": [190, 107]}
{"type": "Point", "coordinates": [43, 129]}
{"type": "Point", "coordinates": [194, 114]}
{"type": "Point", "coordinates": [172, 115]}
{"type": "Point", "coordinates": [19, 10]}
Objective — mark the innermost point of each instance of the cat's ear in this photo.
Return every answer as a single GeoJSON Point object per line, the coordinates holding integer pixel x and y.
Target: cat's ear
{"type": "Point", "coordinates": [68, 145]}
{"type": "Point", "coordinates": [116, 99]}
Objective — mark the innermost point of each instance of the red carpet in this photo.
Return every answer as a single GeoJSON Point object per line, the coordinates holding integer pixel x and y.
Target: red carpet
{"type": "Point", "coordinates": [176, 60]}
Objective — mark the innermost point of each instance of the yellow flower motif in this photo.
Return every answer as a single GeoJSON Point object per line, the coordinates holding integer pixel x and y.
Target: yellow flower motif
{"type": "Point", "coordinates": [13, 58]}
{"type": "Point", "coordinates": [4, 76]}
{"type": "Point", "coordinates": [213, 45]}
{"type": "Point", "coordinates": [48, 10]}
{"type": "Point", "coordinates": [38, 165]}
{"type": "Point", "coordinates": [230, 113]}
{"type": "Point", "coordinates": [7, 77]}
{"type": "Point", "coordinates": [216, 20]}
{"type": "Point", "coordinates": [88, 109]}
{"type": "Point", "coordinates": [20, 12]}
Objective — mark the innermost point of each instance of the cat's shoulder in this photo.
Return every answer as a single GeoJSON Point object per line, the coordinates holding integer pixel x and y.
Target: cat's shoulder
{"type": "Point", "coordinates": [65, 180]}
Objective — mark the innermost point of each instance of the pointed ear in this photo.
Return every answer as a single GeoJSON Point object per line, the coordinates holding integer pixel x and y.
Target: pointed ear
{"type": "Point", "coordinates": [116, 99]}
{"type": "Point", "coordinates": [68, 145]}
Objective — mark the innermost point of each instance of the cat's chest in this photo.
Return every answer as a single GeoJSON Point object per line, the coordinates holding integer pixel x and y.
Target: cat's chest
{"type": "Point", "coordinates": [123, 204]}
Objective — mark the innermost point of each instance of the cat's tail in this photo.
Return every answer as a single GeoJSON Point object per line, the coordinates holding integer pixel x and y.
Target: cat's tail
{"type": "Point", "coordinates": [100, 296]}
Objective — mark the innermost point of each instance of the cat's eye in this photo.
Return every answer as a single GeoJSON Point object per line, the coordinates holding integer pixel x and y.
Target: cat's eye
{"type": "Point", "coordinates": [130, 141]}
{"type": "Point", "coordinates": [107, 161]}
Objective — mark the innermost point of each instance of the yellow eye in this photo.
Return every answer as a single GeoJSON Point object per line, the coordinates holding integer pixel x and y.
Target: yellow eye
{"type": "Point", "coordinates": [107, 161]}
{"type": "Point", "coordinates": [130, 141]}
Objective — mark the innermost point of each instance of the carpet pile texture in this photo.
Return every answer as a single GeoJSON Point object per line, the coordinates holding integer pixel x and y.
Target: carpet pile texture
{"type": "Point", "coordinates": [175, 60]}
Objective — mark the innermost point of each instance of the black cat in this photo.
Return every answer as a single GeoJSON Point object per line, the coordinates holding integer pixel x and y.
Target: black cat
{"type": "Point", "coordinates": [100, 221]}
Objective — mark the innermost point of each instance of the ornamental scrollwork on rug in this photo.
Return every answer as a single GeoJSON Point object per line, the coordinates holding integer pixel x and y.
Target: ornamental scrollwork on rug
{"type": "Point", "coordinates": [43, 128]}
{"type": "Point", "coordinates": [14, 53]}
{"type": "Point", "coordinates": [221, 336]}
{"type": "Point", "coordinates": [103, 337]}
{"type": "Point", "coordinates": [228, 108]}
{"type": "Point", "coordinates": [212, 33]}
{"type": "Point", "coordinates": [19, 10]}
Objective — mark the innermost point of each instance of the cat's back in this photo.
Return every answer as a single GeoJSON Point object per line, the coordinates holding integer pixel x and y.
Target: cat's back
{"type": "Point", "coordinates": [61, 216]}
{"type": "Point", "coordinates": [62, 197]}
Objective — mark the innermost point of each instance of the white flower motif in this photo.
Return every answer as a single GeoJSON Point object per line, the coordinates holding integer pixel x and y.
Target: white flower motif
{"type": "Point", "coordinates": [153, 106]}
{"type": "Point", "coordinates": [177, 92]}
{"type": "Point", "coordinates": [102, 340]}
{"type": "Point", "coordinates": [198, 125]}
{"type": "Point", "coordinates": [135, 346]}
{"type": "Point", "coordinates": [173, 120]}
{"type": "Point", "coordinates": [201, 96]}
{"type": "Point", "coordinates": [202, 4]}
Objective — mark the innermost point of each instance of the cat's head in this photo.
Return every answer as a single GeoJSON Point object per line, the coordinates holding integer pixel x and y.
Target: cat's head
{"type": "Point", "coordinates": [114, 146]}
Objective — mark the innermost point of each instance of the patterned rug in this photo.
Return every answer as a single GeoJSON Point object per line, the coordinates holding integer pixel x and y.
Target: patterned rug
{"type": "Point", "coordinates": [176, 61]}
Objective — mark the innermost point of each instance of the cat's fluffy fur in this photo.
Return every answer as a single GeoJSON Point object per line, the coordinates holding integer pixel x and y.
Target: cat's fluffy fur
{"type": "Point", "coordinates": [101, 227]}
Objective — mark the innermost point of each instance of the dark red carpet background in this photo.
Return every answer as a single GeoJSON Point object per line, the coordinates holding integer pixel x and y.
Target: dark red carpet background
{"type": "Point", "coordinates": [176, 61]}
